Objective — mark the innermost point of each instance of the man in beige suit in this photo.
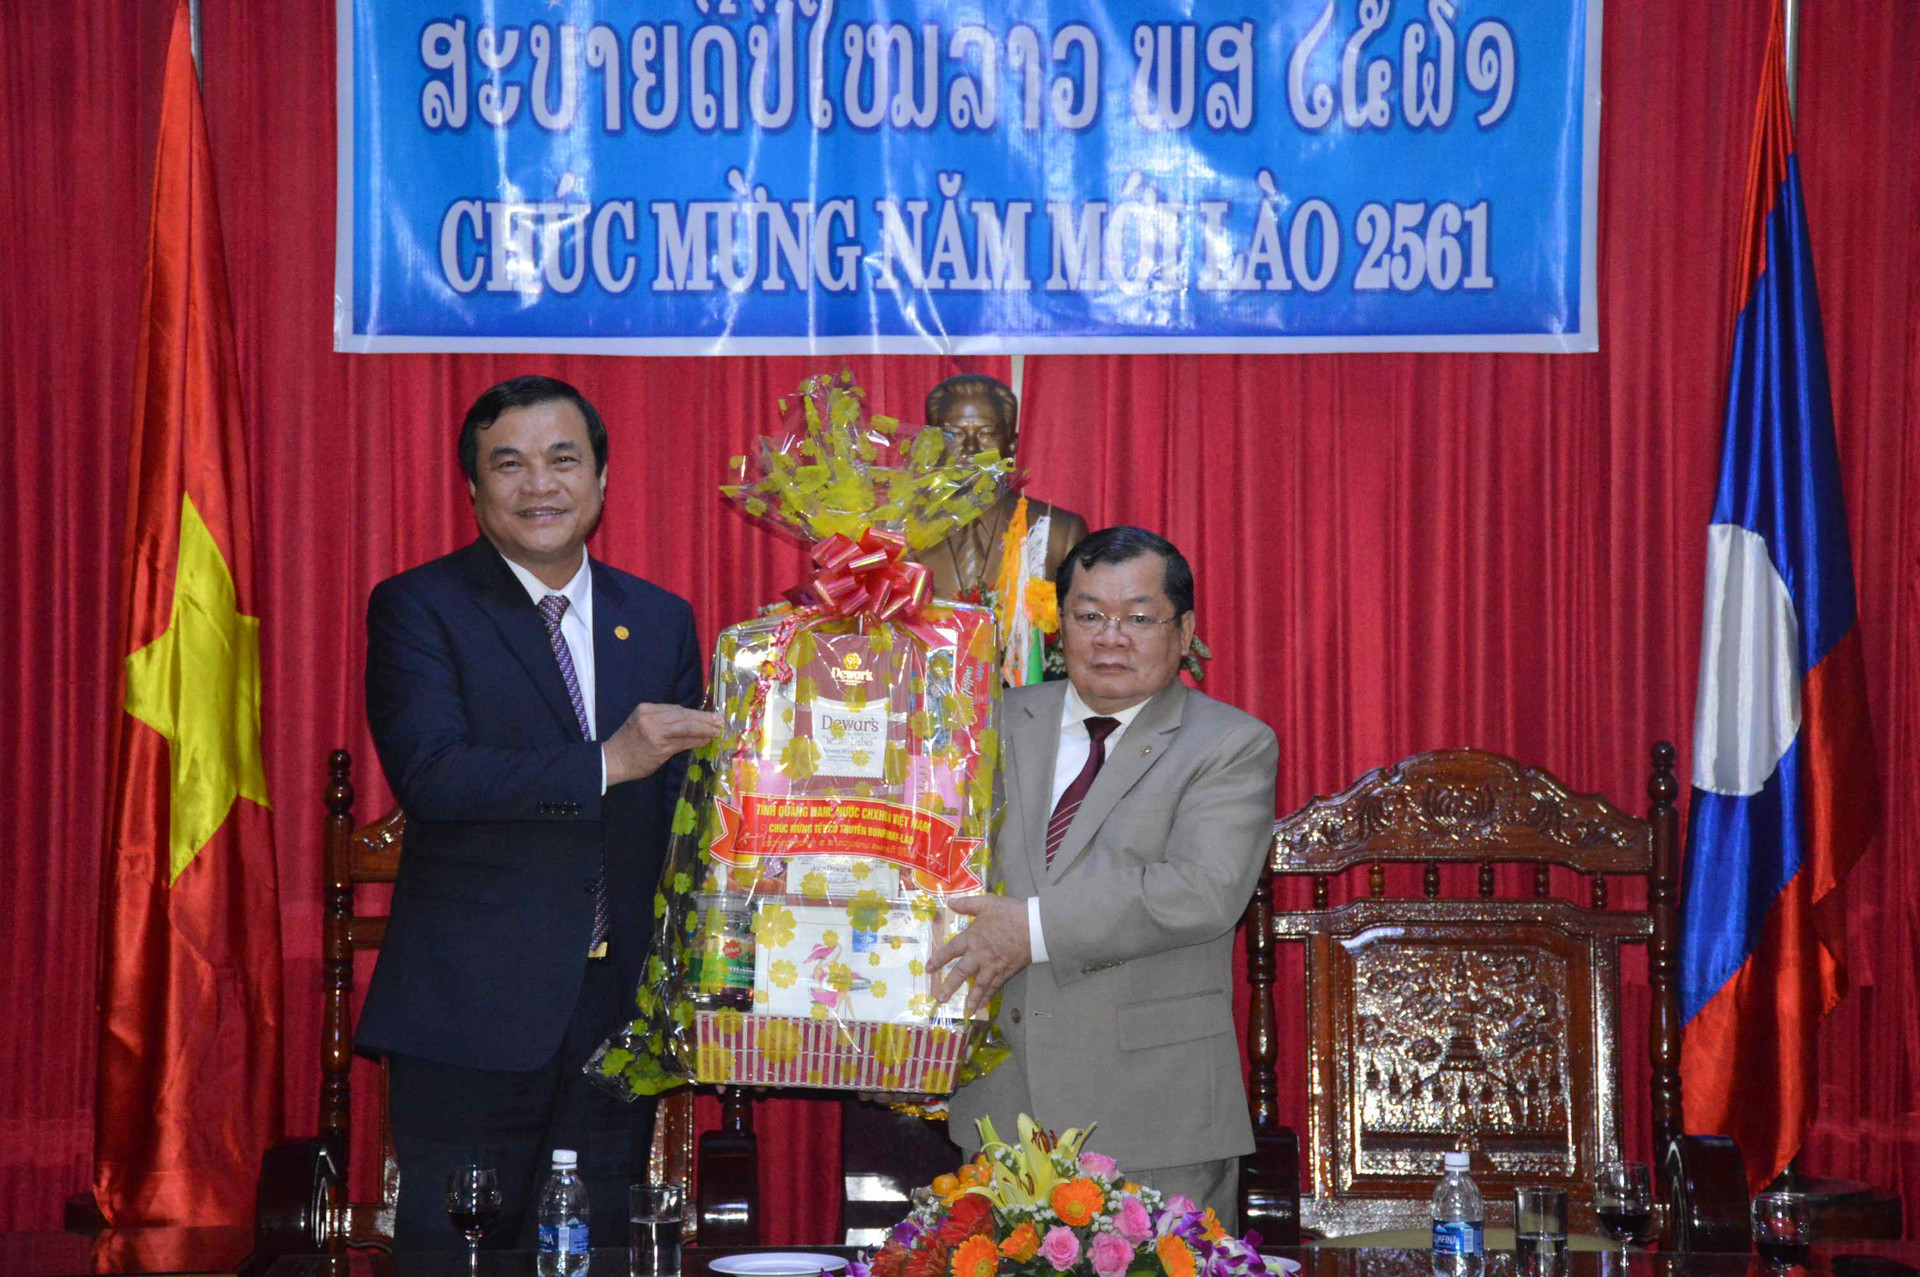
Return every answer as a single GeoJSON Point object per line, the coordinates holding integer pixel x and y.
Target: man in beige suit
{"type": "Point", "coordinates": [1137, 814]}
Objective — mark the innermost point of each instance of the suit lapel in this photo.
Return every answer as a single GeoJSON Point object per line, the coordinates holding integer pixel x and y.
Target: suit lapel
{"type": "Point", "coordinates": [1143, 745]}
{"type": "Point", "coordinates": [502, 600]}
{"type": "Point", "coordinates": [615, 670]}
{"type": "Point", "coordinates": [1035, 744]}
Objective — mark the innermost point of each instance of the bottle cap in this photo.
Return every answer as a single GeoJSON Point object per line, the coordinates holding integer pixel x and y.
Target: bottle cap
{"type": "Point", "coordinates": [567, 1157]}
{"type": "Point", "coordinates": [1455, 1161]}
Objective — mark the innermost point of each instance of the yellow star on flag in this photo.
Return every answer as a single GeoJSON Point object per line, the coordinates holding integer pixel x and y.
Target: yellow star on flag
{"type": "Point", "coordinates": [198, 685]}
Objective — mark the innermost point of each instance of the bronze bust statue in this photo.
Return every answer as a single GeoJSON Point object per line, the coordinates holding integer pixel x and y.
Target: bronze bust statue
{"type": "Point", "coordinates": [978, 412]}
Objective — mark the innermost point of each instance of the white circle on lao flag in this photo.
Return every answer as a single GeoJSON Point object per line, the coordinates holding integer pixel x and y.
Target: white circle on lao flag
{"type": "Point", "coordinates": [1748, 710]}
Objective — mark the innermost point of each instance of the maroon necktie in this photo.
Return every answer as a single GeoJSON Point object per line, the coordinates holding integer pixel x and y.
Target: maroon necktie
{"type": "Point", "coordinates": [552, 608]}
{"type": "Point", "coordinates": [1098, 729]}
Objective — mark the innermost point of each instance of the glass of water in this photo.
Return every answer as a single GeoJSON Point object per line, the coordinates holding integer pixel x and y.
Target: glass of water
{"type": "Point", "coordinates": [1539, 1231]}
{"type": "Point", "coordinates": [653, 1218]}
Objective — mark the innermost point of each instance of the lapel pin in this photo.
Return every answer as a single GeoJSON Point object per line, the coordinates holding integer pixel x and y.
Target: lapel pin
{"type": "Point", "coordinates": [620, 632]}
{"type": "Point", "coordinates": [1145, 750]}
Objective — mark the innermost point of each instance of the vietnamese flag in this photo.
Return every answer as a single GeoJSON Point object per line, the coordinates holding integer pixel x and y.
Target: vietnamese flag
{"type": "Point", "coordinates": [189, 1067]}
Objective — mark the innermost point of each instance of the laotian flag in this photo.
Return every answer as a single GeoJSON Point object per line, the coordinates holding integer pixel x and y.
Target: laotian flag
{"type": "Point", "coordinates": [1784, 792]}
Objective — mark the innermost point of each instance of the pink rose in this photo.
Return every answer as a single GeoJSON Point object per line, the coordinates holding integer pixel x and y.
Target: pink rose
{"type": "Point", "coordinates": [1099, 1164]}
{"type": "Point", "coordinates": [1134, 1224]}
{"type": "Point", "coordinates": [1060, 1248]}
{"type": "Point", "coordinates": [1111, 1256]}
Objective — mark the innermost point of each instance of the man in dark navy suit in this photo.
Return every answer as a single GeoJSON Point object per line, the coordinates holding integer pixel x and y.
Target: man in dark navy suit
{"type": "Point", "coordinates": [531, 707]}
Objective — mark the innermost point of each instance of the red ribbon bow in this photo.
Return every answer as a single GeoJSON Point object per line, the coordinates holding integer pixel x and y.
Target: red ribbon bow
{"type": "Point", "coordinates": [868, 577]}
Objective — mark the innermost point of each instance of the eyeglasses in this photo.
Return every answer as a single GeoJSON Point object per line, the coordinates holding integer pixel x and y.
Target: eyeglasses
{"type": "Point", "coordinates": [1134, 623]}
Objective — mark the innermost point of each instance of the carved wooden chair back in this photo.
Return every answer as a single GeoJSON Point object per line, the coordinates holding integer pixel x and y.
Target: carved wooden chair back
{"type": "Point", "coordinates": [364, 854]}
{"type": "Point", "coordinates": [1435, 1021]}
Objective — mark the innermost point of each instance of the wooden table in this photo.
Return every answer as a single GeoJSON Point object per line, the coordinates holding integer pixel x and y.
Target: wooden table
{"type": "Point", "coordinates": [1837, 1260]}
{"type": "Point", "coordinates": [115, 1252]}
{"type": "Point", "coordinates": [1828, 1261]}
{"type": "Point", "coordinates": [507, 1263]}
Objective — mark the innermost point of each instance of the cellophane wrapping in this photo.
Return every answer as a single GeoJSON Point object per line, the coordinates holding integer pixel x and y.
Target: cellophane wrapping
{"type": "Point", "coordinates": [852, 792]}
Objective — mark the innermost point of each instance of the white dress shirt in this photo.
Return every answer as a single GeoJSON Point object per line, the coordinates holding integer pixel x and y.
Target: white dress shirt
{"type": "Point", "coordinates": [1075, 745]}
{"type": "Point", "coordinates": [576, 629]}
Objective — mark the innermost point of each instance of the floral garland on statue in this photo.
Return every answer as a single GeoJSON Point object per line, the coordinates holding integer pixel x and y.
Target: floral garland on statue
{"type": "Point", "coordinates": [1028, 608]}
{"type": "Point", "coordinates": [1044, 1208]}
{"type": "Point", "coordinates": [1025, 602]}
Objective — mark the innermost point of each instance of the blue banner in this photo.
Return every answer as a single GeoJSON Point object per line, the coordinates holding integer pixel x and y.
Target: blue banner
{"type": "Point", "coordinates": [840, 176]}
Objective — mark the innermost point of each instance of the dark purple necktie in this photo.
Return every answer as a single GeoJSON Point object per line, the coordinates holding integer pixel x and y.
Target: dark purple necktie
{"type": "Point", "coordinates": [552, 608]}
{"type": "Point", "coordinates": [1098, 729]}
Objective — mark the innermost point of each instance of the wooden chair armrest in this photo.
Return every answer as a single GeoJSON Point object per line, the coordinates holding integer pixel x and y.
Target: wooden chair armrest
{"type": "Point", "coordinates": [303, 1184]}
{"type": "Point", "coordinates": [727, 1179]}
{"type": "Point", "coordinates": [1705, 1182]}
{"type": "Point", "coordinates": [1270, 1187]}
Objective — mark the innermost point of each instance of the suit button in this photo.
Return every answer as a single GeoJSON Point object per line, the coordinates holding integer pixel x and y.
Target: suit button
{"type": "Point", "coordinates": [1016, 1015]}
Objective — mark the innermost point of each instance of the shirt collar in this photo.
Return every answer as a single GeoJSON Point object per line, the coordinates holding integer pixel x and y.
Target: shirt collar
{"type": "Point", "coordinates": [579, 590]}
{"type": "Point", "coordinates": [1076, 712]}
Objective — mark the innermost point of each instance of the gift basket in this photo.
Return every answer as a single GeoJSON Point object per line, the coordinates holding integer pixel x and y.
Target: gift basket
{"type": "Point", "coordinates": [850, 795]}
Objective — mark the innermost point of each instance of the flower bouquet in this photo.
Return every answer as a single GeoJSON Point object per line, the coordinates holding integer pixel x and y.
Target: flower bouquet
{"type": "Point", "coordinates": [1044, 1207]}
{"type": "Point", "coordinates": [851, 792]}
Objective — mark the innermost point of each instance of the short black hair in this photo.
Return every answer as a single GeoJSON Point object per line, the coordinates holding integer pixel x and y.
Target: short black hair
{"type": "Point", "coordinates": [525, 392]}
{"type": "Point", "coordinates": [1123, 544]}
{"type": "Point", "coordinates": [998, 392]}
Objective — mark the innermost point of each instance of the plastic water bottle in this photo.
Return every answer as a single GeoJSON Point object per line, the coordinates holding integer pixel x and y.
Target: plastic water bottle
{"type": "Point", "coordinates": [1459, 1246]}
{"type": "Point", "coordinates": [563, 1218]}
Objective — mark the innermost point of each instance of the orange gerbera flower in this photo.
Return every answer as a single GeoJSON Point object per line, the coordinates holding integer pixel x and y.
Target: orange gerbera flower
{"type": "Point", "coordinates": [976, 1257]}
{"type": "Point", "coordinates": [1210, 1227]}
{"type": "Point", "coordinates": [1022, 1244]}
{"type": "Point", "coordinates": [1176, 1257]}
{"type": "Point", "coordinates": [1077, 1201]}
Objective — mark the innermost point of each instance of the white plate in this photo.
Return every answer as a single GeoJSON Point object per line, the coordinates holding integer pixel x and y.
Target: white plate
{"type": "Point", "coordinates": [778, 1264]}
{"type": "Point", "coordinates": [1275, 1263]}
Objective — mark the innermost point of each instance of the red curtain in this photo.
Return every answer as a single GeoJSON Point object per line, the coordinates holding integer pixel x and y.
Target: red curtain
{"type": "Point", "coordinates": [1394, 553]}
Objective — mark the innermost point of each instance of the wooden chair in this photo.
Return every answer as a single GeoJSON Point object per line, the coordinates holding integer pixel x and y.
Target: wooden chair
{"type": "Point", "coordinates": [304, 1205]}
{"type": "Point", "coordinates": [1439, 1021]}
{"type": "Point", "coordinates": [884, 1156]}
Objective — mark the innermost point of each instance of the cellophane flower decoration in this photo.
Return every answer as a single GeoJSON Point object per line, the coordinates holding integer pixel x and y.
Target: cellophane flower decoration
{"type": "Point", "coordinates": [837, 471]}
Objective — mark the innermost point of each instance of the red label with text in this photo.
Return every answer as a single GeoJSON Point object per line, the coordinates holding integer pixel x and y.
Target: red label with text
{"type": "Point", "coordinates": [796, 826]}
